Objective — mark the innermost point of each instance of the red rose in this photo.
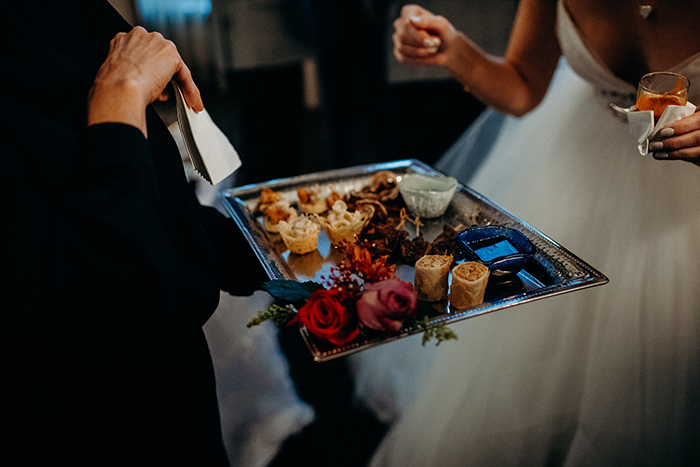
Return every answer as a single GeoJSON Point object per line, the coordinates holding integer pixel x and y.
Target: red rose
{"type": "Point", "coordinates": [326, 318]}
{"type": "Point", "coordinates": [385, 305]}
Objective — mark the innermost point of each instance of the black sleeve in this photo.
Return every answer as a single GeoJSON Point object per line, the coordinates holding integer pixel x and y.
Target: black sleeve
{"type": "Point", "coordinates": [100, 243]}
{"type": "Point", "coordinates": [239, 269]}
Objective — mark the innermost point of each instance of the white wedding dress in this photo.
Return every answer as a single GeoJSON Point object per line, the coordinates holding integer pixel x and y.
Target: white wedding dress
{"type": "Point", "coordinates": [608, 376]}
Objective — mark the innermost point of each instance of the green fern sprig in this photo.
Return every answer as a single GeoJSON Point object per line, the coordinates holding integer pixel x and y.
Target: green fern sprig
{"type": "Point", "coordinates": [440, 332]}
{"type": "Point", "coordinates": [279, 315]}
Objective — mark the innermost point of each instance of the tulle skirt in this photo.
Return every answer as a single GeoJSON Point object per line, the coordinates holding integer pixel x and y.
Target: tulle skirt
{"type": "Point", "coordinates": [603, 376]}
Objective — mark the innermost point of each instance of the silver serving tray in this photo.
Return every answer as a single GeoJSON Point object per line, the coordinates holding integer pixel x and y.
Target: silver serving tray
{"type": "Point", "coordinates": [468, 208]}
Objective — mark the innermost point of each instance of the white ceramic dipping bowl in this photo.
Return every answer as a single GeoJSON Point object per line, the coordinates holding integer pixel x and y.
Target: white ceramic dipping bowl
{"type": "Point", "coordinates": [427, 195]}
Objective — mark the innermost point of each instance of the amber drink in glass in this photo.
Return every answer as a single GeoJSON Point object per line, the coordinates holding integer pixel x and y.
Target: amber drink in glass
{"type": "Point", "coordinates": [660, 89]}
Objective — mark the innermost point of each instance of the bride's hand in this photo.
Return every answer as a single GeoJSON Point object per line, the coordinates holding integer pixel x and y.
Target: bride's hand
{"type": "Point", "coordinates": [422, 38]}
{"type": "Point", "coordinates": [679, 141]}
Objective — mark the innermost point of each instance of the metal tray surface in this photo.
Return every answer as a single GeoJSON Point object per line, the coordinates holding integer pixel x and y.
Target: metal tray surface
{"type": "Point", "coordinates": [565, 272]}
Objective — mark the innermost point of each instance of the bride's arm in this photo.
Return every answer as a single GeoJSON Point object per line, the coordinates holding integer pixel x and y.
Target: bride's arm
{"type": "Point", "coordinates": [513, 84]}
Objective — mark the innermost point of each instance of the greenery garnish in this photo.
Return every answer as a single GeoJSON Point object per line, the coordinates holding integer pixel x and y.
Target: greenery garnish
{"type": "Point", "coordinates": [439, 331]}
{"type": "Point", "coordinates": [279, 315]}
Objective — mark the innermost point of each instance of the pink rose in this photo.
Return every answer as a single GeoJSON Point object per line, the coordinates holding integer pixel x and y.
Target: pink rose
{"type": "Point", "coordinates": [385, 305]}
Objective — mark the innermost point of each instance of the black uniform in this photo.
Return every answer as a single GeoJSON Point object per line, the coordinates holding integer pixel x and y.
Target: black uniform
{"type": "Point", "coordinates": [111, 265]}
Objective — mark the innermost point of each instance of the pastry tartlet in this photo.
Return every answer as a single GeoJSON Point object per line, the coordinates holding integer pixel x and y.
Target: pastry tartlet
{"type": "Point", "coordinates": [341, 224]}
{"type": "Point", "coordinates": [277, 212]}
{"type": "Point", "coordinates": [268, 197]}
{"type": "Point", "coordinates": [299, 234]}
{"type": "Point", "coordinates": [311, 201]}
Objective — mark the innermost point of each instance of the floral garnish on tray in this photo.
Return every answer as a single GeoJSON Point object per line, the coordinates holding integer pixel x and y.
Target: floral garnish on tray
{"type": "Point", "coordinates": [360, 296]}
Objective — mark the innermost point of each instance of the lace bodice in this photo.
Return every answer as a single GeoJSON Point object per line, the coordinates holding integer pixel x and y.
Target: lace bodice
{"type": "Point", "coordinates": [591, 68]}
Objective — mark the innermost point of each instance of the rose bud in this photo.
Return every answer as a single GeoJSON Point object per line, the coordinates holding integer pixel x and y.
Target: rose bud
{"type": "Point", "coordinates": [385, 305]}
{"type": "Point", "coordinates": [326, 318]}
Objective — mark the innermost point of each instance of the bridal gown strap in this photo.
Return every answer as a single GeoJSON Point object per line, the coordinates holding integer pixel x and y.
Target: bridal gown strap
{"type": "Point", "coordinates": [608, 376]}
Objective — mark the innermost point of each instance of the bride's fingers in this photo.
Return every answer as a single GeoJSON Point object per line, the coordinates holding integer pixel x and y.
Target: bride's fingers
{"type": "Point", "coordinates": [407, 34]}
{"type": "Point", "coordinates": [685, 155]}
{"type": "Point", "coordinates": [684, 147]}
{"type": "Point", "coordinates": [684, 125]}
{"type": "Point", "coordinates": [679, 141]}
{"type": "Point", "coordinates": [412, 45]}
{"type": "Point", "coordinates": [406, 52]}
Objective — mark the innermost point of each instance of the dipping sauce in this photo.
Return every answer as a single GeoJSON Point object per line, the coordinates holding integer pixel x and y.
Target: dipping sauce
{"type": "Point", "coordinates": [495, 250]}
{"type": "Point", "coordinates": [427, 195]}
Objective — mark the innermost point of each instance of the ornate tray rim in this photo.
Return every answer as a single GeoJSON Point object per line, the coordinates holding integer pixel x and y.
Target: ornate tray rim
{"type": "Point", "coordinates": [233, 200]}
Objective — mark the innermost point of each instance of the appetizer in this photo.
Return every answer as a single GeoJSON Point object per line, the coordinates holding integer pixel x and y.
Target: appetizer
{"type": "Point", "coordinates": [469, 281]}
{"type": "Point", "coordinates": [268, 197]}
{"type": "Point", "coordinates": [310, 200]}
{"type": "Point", "coordinates": [332, 198]}
{"type": "Point", "coordinates": [413, 250]}
{"type": "Point", "coordinates": [383, 187]}
{"type": "Point", "coordinates": [341, 224]}
{"type": "Point", "coordinates": [275, 213]}
{"type": "Point", "coordinates": [431, 275]}
{"type": "Point", "coordinates": [299, 234]}
{"type": "Point", "coordinates": [446, 243]}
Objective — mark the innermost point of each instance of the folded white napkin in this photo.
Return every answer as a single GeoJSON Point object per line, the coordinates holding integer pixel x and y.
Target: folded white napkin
{"type": "Point", "coordinates": [642, 123]}
{"type": "Point", "coordinates": [218, 155]}
{"type": "Point", "coordinates": [212, 154]}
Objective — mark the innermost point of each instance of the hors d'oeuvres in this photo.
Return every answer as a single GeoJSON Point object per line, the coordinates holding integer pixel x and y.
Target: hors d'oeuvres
{"type": "Point", "coordinates": [382, 187]}
{"type": "Point", "coordinates": [431, 275]}
{"type": "Point", "coordinates": [469, 280]}
{"type": "Point", "coordinates": [299, 234]}
{"type": "Point", "coordinates": [341, 224]}
{"type": "Point", "coordinates": [275, 213]}
{"type": "Point", "coordinates": [414, 249]}
{"type": "Point", "coordinates": [311, 201]}
{"type": "Point", "coordinates": [332, 198]}
{"type": "Point", "coordinates": [446, 244]}
{"type": "Point", "coordinates": [268, 197]}
{"type": "Point", "coordinates": [274, 208]}
{"type": "Point", "coordinates": [383, 238]}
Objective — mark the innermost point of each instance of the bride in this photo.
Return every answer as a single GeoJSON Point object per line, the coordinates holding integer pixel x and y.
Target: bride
{"type": "Point", "coordinates": [605, 376]}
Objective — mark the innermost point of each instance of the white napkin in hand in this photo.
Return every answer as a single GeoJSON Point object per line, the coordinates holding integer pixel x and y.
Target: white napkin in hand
{"type": "Point", "coordinates": [212, 154]}
{"type": "Point", "coordinates": [218, 154]}
{"type": "Point", "coordinates": [642, 123]}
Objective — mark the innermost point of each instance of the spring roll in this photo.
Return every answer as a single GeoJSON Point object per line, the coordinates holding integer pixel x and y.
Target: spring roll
{"type": "Point", "coordinates": [469, 281]}
{"type": "Point", "coordinates": [431, 274]}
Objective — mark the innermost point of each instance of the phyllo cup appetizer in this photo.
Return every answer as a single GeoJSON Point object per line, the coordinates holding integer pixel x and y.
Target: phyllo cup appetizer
{"type": "Point", "coordinates": [341, 224]}
{"type": "Point", "coordinates": [299, 234]}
